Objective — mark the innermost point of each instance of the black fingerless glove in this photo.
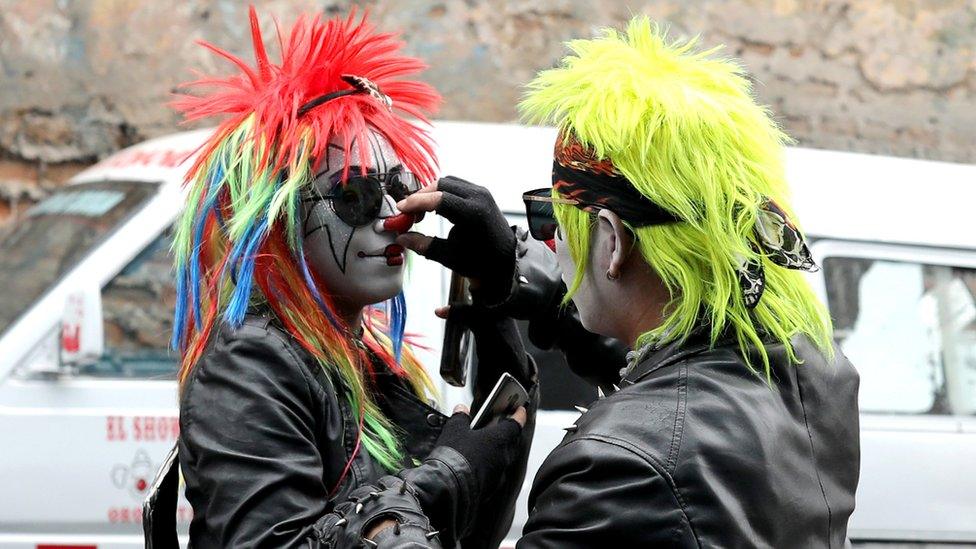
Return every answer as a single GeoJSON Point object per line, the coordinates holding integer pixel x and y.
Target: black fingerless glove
{"type": "Point", "coordinates": [538, 289]}
{"type": "Point", "coordinates": [490, 451]}
{"type": "Point", "coordinates": [456, 483]}
{"type": "Point", "coordinates": [445, 489]}
{"type": "Point", "coordinates": [481, 245]}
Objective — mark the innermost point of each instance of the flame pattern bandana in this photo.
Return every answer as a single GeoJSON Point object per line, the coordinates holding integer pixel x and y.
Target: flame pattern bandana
{"type": "Point", "coordinates": [578, 174]}
{"type": "Point", "coordinates": [596, 183]}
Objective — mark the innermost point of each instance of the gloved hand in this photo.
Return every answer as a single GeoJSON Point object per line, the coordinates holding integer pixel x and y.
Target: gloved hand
{"type": "Point", "coordinates": [398, 511]}
{"type": "Point", "coordinates": [498, 346]}
{"type": "Point", "coordinates": [539, 287]}
{"type": "Point", "coordinates": [391, 500]}
{"type": "Point", "coordinates": [480, 246]}
{"type": "Point", "coordinates": [490, 451]}
{"type": "Point", "coordinates": [465, 470]}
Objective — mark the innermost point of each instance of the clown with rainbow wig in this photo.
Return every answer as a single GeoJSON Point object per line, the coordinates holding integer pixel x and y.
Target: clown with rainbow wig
{"type": "Point", "coordinates": [297, 383]}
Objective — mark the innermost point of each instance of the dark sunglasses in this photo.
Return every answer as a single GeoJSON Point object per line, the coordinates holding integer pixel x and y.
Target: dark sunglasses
{"type": "Point", "coordinates": [540, 214]}
{"type": "Point", "coordinates": [357, 201]}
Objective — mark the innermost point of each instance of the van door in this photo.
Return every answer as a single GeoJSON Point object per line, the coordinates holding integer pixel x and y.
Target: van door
{"type": "Point", "coordinates": [90, 441]}
{"type": "Point", "coordinates": [906, 318]}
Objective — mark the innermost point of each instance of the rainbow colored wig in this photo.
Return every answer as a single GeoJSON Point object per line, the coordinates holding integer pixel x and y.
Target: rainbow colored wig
{"type": "Point", "coordinates": [683, 128]}
{"type": "Point", "coordinates": [240, 225]}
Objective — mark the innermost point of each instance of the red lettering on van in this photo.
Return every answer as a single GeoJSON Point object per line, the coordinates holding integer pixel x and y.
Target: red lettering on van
{"type": "Point", "coordinates": [71, 338]}
{"type": "Point", "coordinates": [166, 158]}
{"type": "Point", "coordinates": [115, 428]}
{"type": "Point", "coordinates": [172, 159]}
{"type": "Point", "coordinates": [155, 429]}
{"type": "Point", "coordinates": [142, 428]}
{"type": "Point", "coordinates": [117, 515]}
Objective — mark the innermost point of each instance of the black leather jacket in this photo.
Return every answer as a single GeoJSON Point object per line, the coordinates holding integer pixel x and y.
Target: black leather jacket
{"type": "Point", "coordinates": [696, 450]}
{"type": "Point", "coordinates": [265, 438]}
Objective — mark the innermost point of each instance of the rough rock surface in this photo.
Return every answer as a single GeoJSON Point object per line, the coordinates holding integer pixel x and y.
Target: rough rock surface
{"type": "Point", "coordinates": [82, 79]}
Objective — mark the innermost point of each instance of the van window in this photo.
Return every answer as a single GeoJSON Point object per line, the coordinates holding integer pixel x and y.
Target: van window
{"type": "Point", "coordinates": [54, 235]}
{"type": "Point", "coordinates": [910, 330]}
{"type": "Point", "coordinates": [137, 311]}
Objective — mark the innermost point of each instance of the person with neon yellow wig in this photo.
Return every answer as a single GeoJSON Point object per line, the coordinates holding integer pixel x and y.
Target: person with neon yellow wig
{"type": "Point", "coordinates": [735, 421]}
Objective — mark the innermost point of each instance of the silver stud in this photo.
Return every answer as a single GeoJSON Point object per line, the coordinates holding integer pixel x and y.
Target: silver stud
{"type": "Point", "coordinates": [341, 522]}
{"type": "Point", "coordinates": [403, 488]}
{"type": "Point", "coordinates": [359, 508]}
{"type": "Point", "coordinates": [369, 543]}
{"type": "Point", "coordinates": [615, 388]}
{"type": "Point", "coordinates": [523, 280]}
{"type": "Point", "coordinates": [581, 409]}
{"type": "Point", "coordinates": [571, 428]}
{"type": "Point", "coordinates": [599, 392]}
{"type": "Point", "coordinates": [432, 533]}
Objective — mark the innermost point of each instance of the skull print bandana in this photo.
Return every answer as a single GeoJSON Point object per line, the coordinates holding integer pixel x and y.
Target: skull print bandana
{"type": "Point", "coordinates": [781, 242]}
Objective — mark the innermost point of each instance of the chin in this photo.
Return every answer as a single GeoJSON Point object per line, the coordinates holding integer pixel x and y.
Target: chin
{"type": "Point", "coordinates": [380, 297]}
{"type": "Point", "coordinates": [593, 321]}
{"type": "Point", "coordinates": [588, 324]}
{"type": "Point", "coordinates": [383, 290]}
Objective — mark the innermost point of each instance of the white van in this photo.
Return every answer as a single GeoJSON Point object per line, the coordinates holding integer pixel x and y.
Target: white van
{"type": "Point", "coordinates": [87, 383]}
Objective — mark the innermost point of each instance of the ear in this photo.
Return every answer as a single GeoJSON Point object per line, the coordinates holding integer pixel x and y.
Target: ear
{"type": "Point", "coordinates": [621, 241]}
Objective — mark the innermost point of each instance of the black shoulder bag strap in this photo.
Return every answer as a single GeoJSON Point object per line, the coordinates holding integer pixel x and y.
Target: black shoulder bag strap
{"type": "Point", "coordinates": [159, 508]}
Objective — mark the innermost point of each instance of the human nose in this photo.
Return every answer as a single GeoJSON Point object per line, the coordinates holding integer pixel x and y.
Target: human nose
{"type": "Point", "coordinates": [393, 220]}
{"type": "Point", "coordinates": [399, 223]}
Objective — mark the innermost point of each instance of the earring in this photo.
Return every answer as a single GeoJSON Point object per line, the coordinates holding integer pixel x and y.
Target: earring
{"type": "Point", "coordinates": [611, 276]}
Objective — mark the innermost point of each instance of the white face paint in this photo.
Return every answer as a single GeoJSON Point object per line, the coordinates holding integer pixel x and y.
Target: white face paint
{"type": "Point", "coordinates": [359, 265]}
{"type": "Point", "coordinates": [591, 298]}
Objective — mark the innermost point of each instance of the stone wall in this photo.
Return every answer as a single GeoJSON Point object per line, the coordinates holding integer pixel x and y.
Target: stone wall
{"type": "Point", "coordinates": [83, 79]}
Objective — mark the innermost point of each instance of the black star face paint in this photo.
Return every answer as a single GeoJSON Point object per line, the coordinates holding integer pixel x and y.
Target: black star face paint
{"type": "Point", "coordinates": [349, 225]}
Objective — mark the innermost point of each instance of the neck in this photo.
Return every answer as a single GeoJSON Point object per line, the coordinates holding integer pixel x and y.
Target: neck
{"type": "Point", "coordinates": [642, 307]}
{"type": "Point", "coordinates": [351, 314]}
{"type": "Point", "coordinates": [641, 321]}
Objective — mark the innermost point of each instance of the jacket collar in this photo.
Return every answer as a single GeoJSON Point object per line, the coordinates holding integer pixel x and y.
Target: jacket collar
{"type": "Point", "coordinates": [648, 360]}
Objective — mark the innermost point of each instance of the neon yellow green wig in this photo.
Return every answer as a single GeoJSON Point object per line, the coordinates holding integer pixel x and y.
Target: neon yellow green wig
{"type": "Point", "coordinates": [683, 128]}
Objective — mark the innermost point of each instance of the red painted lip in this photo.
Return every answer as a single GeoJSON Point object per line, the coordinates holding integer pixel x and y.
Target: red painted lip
{"type": "Point", "coordinates": [392, 251]}
{"type": "Point", "coordinates": [393, 254]}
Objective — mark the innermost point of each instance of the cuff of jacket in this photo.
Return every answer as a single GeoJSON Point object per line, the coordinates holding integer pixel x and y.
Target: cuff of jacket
{"type": "Point", "coordinates": [447, 490]}
{"type": "Point", "coordinates": [407, 537]}
{"type": "Point", "coordinates": [390, 499]}
{"type": "Point", "coordinates": [500, 348]}
{"type": "Point", "coordinates": [497, 293]}
{"type": "Point", "coordinates": [535, 287]}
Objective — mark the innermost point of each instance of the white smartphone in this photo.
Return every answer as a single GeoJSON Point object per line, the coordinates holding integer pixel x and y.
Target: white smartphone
{"type": "Point", "coordinates": [505, 397]}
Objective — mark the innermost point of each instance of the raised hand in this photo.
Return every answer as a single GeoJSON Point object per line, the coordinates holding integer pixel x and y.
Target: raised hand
{"type": "Point", "coordinates": [480, 246]}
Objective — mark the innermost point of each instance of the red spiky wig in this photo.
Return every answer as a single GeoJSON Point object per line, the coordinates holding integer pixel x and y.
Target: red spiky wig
{"type": "Point", "coordinates": [314, 58]}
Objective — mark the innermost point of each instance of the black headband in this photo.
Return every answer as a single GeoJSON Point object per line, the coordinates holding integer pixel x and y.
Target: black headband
{"type": "Point", "coordinates": [360, 85]}
{"type": "Point", "coordinates": [614, 193]}
{"type": "Point", "coordinates": [324, 98]}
